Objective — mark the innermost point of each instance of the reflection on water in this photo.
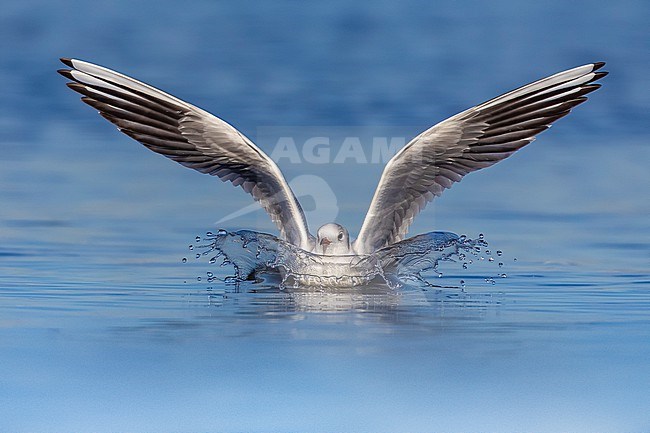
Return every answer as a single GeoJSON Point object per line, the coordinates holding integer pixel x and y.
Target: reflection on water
{"type": "Point", "coordinates": [390, 304]}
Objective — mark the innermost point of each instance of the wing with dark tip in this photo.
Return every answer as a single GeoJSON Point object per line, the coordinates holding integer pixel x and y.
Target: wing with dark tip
{"type": "Point", "coordinates": [471, 140]}
{"type": "Point", "coordinates": [192, 137]}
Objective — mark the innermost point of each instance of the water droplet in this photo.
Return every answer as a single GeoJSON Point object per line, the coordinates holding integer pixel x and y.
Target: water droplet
{"type": "Point", "coordinates": [198, 256]}
{"type": "Point", "coordinates": [500, 264]}
{"type": "Point", "coordinates": [198, 239]}
{"type": "Point", "coordinates": [514, 259]}
{"type": "Point", "coordinates": [491, 259]}
{"type": "Point", "coordinates": [198, 278]}
{"type": "Point", "coordinates": [499, 253]}
{"type": "Point", "coordinates": [214, 258]}
{"type": "Point", "coordinates": [465, 265]}
{"type": "Point", "coordinates": [462, 283]}
{"type": "Point", "coordinates": [221, 232]}
{"type": "Point", "coordinates": [209, 274]}
{"type": "Point", "coordinates": [481, 236]}
{"type": "Point", "coordinates": [184, 260]}
{"type": "Point", "coordinates": [503, 275]}
{"type": "Point", "coordinates": [191, 247]}
{"type": "Point", "coordinates": [209, 234]}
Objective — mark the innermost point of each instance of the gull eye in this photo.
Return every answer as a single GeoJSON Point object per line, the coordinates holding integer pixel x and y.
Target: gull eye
{"type": "Point", "coordinates": [340, 236]}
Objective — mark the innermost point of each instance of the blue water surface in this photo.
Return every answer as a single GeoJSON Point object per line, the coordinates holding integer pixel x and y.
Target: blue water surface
{"type": "Point", "coordinates": [104, 328]}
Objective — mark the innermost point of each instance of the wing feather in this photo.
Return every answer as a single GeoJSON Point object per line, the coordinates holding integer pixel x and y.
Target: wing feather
{"type": "Point", "coordinates": [473, 139]}
{"type": "Point", "coordinates": [191, 137]}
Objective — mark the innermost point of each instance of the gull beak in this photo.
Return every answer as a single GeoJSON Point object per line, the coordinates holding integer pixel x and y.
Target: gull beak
{"type": "Point", "coordinates": [324, 242]}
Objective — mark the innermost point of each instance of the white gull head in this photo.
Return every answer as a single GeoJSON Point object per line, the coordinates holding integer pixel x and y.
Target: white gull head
{"type": "Point", "coordinates": [332, 240]}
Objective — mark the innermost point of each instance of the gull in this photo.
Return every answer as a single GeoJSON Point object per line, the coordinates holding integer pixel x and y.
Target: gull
{"type": "Point", "coordinates": [420, 171]}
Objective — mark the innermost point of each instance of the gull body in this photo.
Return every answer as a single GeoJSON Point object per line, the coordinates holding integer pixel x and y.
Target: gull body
{"type": "Point", "coordinates": [430, 163]}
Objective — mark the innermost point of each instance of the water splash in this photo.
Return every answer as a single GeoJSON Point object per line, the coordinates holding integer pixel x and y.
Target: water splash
{"type": "Point", "coordinates": [252, 254]}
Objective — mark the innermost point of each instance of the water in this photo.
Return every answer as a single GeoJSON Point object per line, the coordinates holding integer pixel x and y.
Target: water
{"type": "Point", "coordinates": [104, 328]}
{"type": "Point", "coordinates": [255, 256]}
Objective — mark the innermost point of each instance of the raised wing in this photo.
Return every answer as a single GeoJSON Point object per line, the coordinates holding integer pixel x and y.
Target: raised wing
{"type": "Point", "coordinates": [192, 137]}
{"type": "Point", "coordinates": [466, 142]}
